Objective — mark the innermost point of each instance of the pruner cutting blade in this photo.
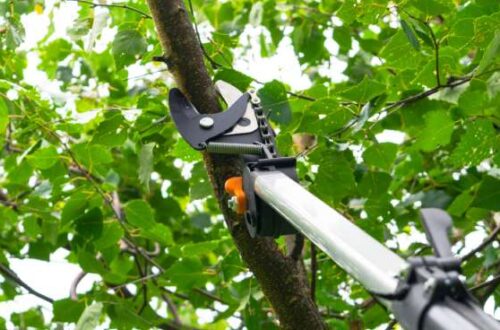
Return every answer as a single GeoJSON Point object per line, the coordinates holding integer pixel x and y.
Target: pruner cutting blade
{"type": "Point", "coordinates": [197, 129]}
{"type": "Point", "coordinates": [248, 123]}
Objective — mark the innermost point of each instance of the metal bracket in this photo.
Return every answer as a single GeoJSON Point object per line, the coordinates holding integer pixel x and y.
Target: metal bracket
{"type": "Point", "coordinates": [434, 280]}
{"type": "Point", "coordinates": [261, 219]}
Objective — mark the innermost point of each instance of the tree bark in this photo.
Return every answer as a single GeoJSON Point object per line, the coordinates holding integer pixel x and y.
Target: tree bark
{"type": "Point", "coordinates": [282, 279]}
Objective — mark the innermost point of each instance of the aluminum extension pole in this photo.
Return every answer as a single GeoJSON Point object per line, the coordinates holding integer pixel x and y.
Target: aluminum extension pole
{"type": "Point", "coordinates": [371, 263]}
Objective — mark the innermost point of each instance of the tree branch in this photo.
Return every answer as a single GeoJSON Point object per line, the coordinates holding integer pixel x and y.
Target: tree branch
{"type": "Point", "coordinates": [282, 279]}
{"type": "Point", "coordinates": [9, 274]}
{"type": "Point", "coordinates": [483, 244]}
{"type": "Point", "coordinates": [171, 306]}
{"type": "Point", "coordinates": [493, 282]}
{"type": "Point", "coordinates": [93, 4]}
{"type": "Point", "coordinates": [74, 285]}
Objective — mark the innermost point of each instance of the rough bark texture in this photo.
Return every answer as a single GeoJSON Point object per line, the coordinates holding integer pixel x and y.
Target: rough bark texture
{"type": "Point", "coordinates": [282, 279]}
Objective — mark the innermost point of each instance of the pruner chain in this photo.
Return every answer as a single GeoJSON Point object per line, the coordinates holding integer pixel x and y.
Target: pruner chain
{"type": "Point", "coordinates": [265, 130]}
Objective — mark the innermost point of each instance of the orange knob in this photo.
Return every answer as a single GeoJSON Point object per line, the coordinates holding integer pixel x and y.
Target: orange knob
{"type": "Point", "coordinates": [234, 187]}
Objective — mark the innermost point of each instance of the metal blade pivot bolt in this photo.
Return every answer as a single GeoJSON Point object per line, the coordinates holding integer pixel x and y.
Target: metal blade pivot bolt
{"type": "Point", "coordinates": [253, 97]}
{"type": "Point", "coordinates": [206, 122]}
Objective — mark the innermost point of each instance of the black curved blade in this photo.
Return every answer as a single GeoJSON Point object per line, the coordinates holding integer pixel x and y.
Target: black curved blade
{"type": "Point", "coordinates": [187, 119]}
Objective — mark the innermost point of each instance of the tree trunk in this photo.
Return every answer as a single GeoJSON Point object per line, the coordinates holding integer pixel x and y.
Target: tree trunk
{"type": "Point", "coordinates": [282, 279]}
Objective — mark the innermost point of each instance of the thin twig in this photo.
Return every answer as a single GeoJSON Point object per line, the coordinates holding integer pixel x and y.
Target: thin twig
{"type": "Point", "coordinates": [144, 284]}
{"type": "Point", "coordinates": [300, 96]}
{"type": "Point", "coordinates": [436, 46]}
{"type": "Point", "coordinates": [436, 52]}
{"type": "Point", "coordinates": [145, 74]}
{"type": "Point", "coordinates": [494, 281]}
{"type": "Point", "coordinates": [137, 280]}
{"type": "Point", "coordinates": [212, 62]}
{"type": "Point", "coordinates": [483, 244]}
{"type": "Point", "coordinates": [93, 4]}
{"type": "Point", "coordinates": [411, 99]}
{"type": "Point", "coordinates": [74, 285]}
{"type": "Point", "coordinates": [456, 82]}
{"type": "Point", "coordinates": [8, 273]}
{"type": "Point", "coordinates": [209, 295]}
{"type": "Point", "coordinates": [171, 307]}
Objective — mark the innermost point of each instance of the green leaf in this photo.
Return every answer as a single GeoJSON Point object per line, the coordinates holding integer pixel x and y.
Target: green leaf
{"type": "Point", "coordinates": [4, 118]}
{"type": "Point", "coordinates": [325, 116]}
{"type": "Point", "coordinates": [139, 214]}
{"type": "Point", "coordinates": [477, 144]}
{"type": "Point", "coordinates": [127, 47]}
{"type": "Point", "coordinates": [184, 151]}
{"type": "Point", "coordinates": [433, 7]}
{"type": "Point", "coordinates": [394, 49]}
{"type": "Point", "coordinates": [410, 34]}
{"type": "Point", "coordinates": [89, 224]}
{"type": "Point", "coordinates": [381, 155]}
{"type": "Point", "coordinates": [364, 91]}
{"type": "Point", "coordinates": [338, 170]}
{"type": "Point", "coordinates": [374, 184]}
{"type": "Point", "coordinates": [342, 35]}
{"type": "Point", "coordinates": [256, 14]}
{"type": "Point", "coordinates": [90, 317]}
{"type": "Point", "coordinates": [67, 310]}
{"type": "Point", "coordinates": [44, 158]}
{"type": "Point", "coordinates": [378, 206]}
{"type": "Point", "coordinates": [91, 155]}
{"type": "Point", "coordinates": [112, 131]}
{"type": "Point", "coordinates": [347, 11]}
{"type": "Point", "coordinates": [488, 194]}
{"type": "Point", "coordinates": [275, 101]}
{"type": "Point", "coordinates": [74, 207]}
{"type": "Point", "coordinates": [308, 41]}
{"type": "Point", "coordinates": [32, 318]}
{"type": "Point", "coordinates": [235, 78]}
{"type": "Point", "coordinates": [112, 232]}
{"type": "Point", "coordinates": [200, 187]}
{"type": "Point", "coordinates": [491, 54]}
{"type": "Point", "coordinates": [461, 203]}
{"type": "Point", "coordinates": [146, 161]}
{"type": "Point", "coordinates": [199, 248]}
{"type": "Point", "coordinates": [187, 273]}
{"type": "Point", "coordinates": [437, 131]}
{"type": "Point", "coordinates": [159, 233]}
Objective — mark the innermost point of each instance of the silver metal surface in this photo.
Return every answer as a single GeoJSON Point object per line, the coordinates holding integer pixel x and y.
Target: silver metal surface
{"type": "Point", "coordinates": [230, 94]}
{"type": "Point", "coordinates": [367, 260]}
{"type": "Point", "coordinates": [206, 122]}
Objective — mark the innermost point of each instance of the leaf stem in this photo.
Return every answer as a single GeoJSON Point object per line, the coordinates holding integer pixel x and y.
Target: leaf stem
{"type": "Point", "coordinates": [93, 4]}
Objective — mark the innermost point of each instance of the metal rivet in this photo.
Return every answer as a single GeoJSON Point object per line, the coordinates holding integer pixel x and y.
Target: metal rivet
{"type": "Point", "coordinates": [206, 122]}
{"type": "Point", "coordinates": [255, 99]}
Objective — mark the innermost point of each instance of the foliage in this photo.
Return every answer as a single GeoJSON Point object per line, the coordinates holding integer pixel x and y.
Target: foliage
{"type": "Point", "coordinates": [98, 169]}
